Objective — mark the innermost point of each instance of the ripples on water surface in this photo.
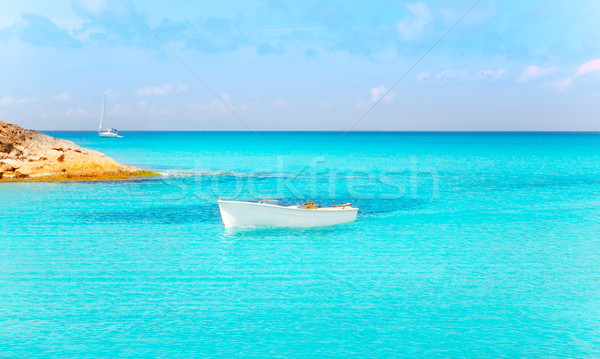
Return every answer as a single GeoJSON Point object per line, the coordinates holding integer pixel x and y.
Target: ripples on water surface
{"type": "Point", "coordinates": [503, 264]}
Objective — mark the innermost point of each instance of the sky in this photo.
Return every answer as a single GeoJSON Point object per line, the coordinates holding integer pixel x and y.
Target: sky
{"type": "Point", "coordinates": [312, 65]}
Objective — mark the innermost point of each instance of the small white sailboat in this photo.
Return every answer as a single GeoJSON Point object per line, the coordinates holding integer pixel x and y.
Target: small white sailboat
{"type": "Point", "coordinates": [102, 130]}
{"type": "Point", "coordinates": [267, 214]}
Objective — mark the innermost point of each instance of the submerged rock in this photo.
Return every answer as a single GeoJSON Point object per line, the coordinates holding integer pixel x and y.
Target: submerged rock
{"type": "Point", "coordinates": [30, 155]}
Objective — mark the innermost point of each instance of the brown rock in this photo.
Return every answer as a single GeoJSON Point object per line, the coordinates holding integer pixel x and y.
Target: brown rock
{"type": "Point", "coordinates": [31, 155]}
{"type": "Point", "coordinates": [6, 147]}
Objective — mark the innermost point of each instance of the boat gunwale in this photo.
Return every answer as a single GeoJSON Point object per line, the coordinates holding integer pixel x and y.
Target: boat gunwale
{"type": "Point", "coordinates": [327, 209]}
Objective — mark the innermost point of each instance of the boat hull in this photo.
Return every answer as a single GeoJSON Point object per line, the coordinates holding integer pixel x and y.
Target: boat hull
{"type": "Point", "coordinates": [108, 134]}
{"type": "Point", "coordinates": [248, 214]}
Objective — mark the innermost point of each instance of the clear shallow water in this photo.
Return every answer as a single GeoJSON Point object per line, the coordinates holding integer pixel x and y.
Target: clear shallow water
{"type": "Point", "coordinates": [466, 245]}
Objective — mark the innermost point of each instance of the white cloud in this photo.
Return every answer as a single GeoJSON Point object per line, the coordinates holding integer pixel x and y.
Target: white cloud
{"type": "Point", "coordinates": [87, 33]}
{"type": "Point", "coordinates": [376, 95]}
{"type": "Point", "coordinates": [412, 26]}
{"type": "Point", "coordinates": [561, 85]}
{"type": "Point", "coordinates": [63, 96]}
{"type": "Point", "coordinates": [163, 90]}
{"type": "Point", "coordinates": [423, 75]}
{"type": "Point", "coordinates": [9, 101]}
{"type": "Point", "coordinates": [566, 82]}
{"type": "Point", "coordinates": [78, 113]}
{"type": "Point", "coordinates": [451, 74]}
{"type": "Point", "coordinates": [279, 103]}
{"type": "Point", "coordinates": [534, 72]}
{"type": "Point", "coordinates": [376, 92]}
{"type": "Point", "coordinates": [592, 65]}
{"type": "Point", "coordinates": [489, 74]}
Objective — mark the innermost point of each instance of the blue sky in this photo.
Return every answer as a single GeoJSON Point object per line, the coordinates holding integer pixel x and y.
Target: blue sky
{"type": "Point", "coordinates": [312, 65]}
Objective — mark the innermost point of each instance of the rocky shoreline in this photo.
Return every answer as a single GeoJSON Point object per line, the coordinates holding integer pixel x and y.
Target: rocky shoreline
{"type": "Point", "coordinates": [28, 155]}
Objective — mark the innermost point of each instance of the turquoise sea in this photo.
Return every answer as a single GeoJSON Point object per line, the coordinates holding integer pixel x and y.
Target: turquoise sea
{"type": "Point", "coordinates": [474, 245]}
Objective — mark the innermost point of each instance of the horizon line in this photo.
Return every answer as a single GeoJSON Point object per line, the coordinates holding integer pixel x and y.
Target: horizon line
{"type": "Point", "coordinates": [354, 131]}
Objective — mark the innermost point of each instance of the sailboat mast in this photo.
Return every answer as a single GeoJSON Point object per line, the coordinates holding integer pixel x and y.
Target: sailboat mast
{"type": "Point", "coordinates": [102, 114]}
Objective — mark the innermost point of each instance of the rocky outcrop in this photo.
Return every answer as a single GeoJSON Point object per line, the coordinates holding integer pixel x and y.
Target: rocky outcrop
{"type": "Point", "coordinates": [28, 155]}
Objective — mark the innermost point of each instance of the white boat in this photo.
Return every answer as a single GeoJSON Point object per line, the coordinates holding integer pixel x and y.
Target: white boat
{"type": "Point", "coordinates": [267, 214]}
{"type": "Point", "coordinates": [102, 130]}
